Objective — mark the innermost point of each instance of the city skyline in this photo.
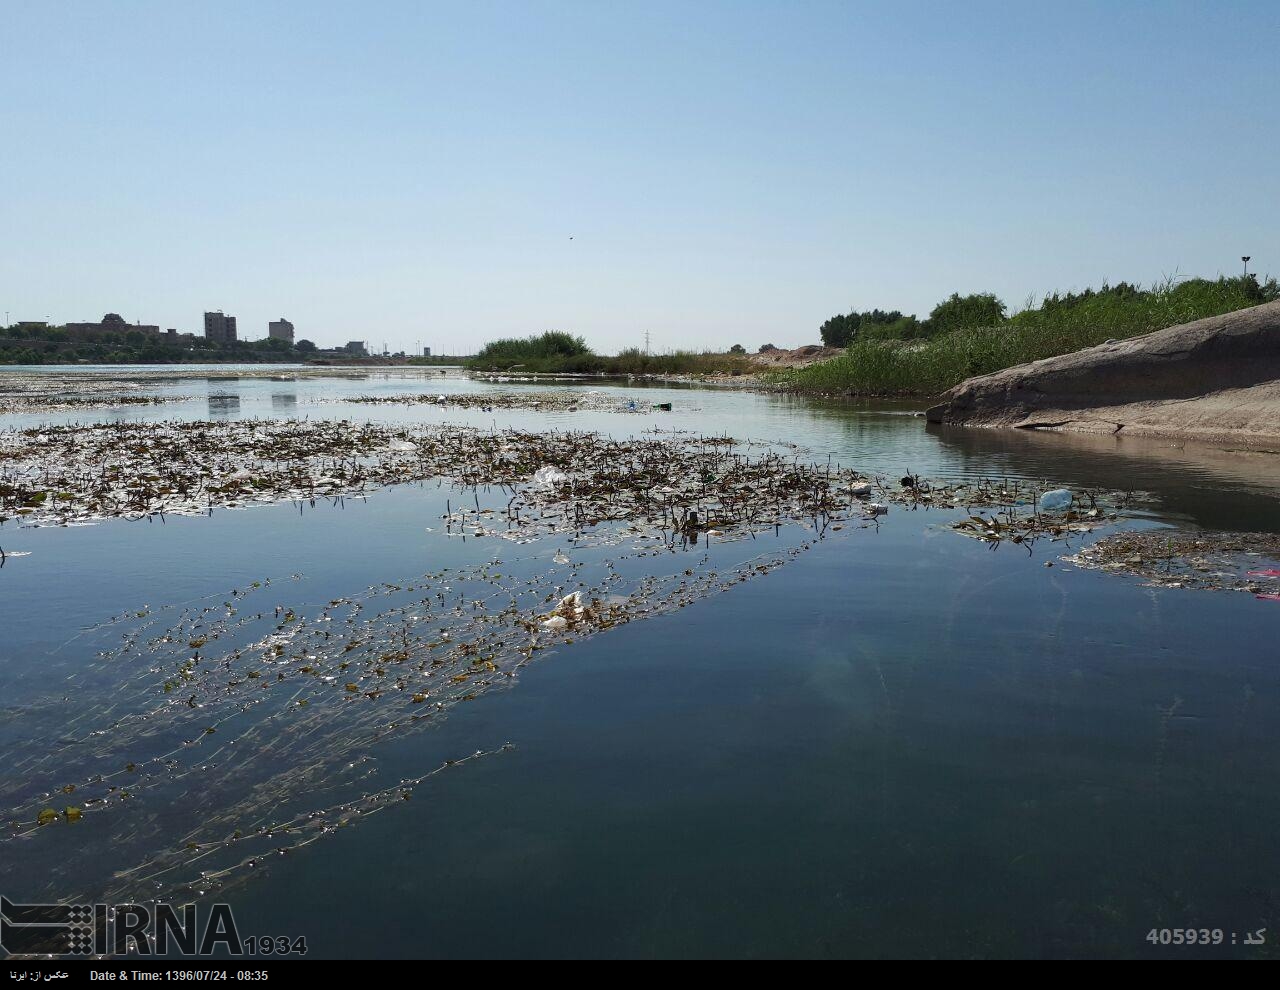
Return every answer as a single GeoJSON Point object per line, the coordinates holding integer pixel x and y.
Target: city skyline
{"type": "Point", "coordinates": [280, 328]}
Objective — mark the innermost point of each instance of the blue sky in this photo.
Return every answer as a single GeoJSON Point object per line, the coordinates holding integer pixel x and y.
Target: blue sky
{"type": "Point", "coordinates": [728, 172]}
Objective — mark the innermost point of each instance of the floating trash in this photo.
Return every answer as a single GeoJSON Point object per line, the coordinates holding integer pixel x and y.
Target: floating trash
{"type": "Point", "coordinates": [1056, 500]}
{"type": "Point", "coordinates": [542, 400]}
{"type": "Point", "coordinates": [1196, 560]}
{"type": "Point", "coordinates": [1017, 518]}
{"type": "Point", "coordinates": [249, 724]}
{"type": "Point", "coordinates": [549, 477]}
{"type": "Point", "coordinates": [554, 481]}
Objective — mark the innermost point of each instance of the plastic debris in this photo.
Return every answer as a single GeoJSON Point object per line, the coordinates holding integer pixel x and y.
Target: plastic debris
{"type": "Point", "coordinates": [549, 477]}
{"type": "Point", "coordinates": [1056, 500]}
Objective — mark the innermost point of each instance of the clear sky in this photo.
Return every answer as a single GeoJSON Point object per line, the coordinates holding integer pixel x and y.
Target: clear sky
{"type": "Point", "coordinates": [714, 172]}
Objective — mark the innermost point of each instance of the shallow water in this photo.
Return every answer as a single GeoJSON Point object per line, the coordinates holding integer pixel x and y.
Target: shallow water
{"type": "Point", "coordinates": [900, 743]}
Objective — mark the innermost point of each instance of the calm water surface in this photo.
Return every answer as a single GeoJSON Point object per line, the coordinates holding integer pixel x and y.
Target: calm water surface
{"type": "Point", "coordinates": [902, 743]}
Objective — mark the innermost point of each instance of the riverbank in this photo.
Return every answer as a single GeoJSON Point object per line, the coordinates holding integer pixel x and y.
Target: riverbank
{"type": "Point", "coordinates": [1059, 325]}
{"type": "Point", "coordinates": [1215, 380]}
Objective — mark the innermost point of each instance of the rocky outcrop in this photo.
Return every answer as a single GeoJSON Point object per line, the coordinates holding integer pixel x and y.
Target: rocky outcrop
{"type": "Point", "coordinates": [1215, 379]}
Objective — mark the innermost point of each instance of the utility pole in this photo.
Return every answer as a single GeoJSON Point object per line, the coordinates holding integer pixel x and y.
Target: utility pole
{"type": "Point", "coordinates": [646, 343]}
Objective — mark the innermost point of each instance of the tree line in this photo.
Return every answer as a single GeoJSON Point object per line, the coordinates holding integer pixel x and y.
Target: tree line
{"type": "Point", "coordinates": [986, 309]}
{"type": "Point", "coordinates": [977, 309]}
{"type": "Point", "coordinates": [57, 345]}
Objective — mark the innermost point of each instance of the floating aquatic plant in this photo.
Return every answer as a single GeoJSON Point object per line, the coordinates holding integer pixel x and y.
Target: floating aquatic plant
{"type": "Point", "coordinates": [1200, 560]}
{"type": "Point", "coordinates": [244, 726]}
{"type": "Point", "coordinates": [539, 400]}
{"type": "Point", "coordinates": [60, 474]}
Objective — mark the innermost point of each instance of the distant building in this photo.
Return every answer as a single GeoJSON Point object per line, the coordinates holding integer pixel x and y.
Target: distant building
{"type": "Point", "coordinates": [32, 324]}
{"type": "Point", "coordinates": [356, 348]}
{"type": "Point", "coordinates": [220, 328]}
{"type": "Point", "coordinates": [426, 352]}
{"type": "Point", "coordinates": [280, 329]}
{"type": "Point", "coordinates": [112, 321]}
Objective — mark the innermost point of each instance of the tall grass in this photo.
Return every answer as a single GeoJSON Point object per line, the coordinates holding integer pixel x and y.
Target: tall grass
{"type": "Point", "coordinates": [634, 361]}
{"type": "Point", "coordinates": [530, 352]}
{"type": "Point", "coordinates": [1060, 325]}
{"type": "Point", "coordinates": [510, 356]}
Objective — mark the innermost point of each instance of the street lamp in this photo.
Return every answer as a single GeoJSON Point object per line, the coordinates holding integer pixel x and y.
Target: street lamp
{"type": "Point", "coordinates": [1245, 258]}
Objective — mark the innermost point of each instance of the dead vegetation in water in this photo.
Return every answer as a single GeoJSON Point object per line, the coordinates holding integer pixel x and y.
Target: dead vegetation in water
{"type": "Point", "coordinates": [553, 481]}
{"type": "Point", "coordinates": [1009, 511]}
{"type": "Point", "coordinates": [25, 393]}
{"type": "Point", "coordinates": [546, 401]}
{"type": "Point", "coordinates": [676, 486]}
{"type": "Point", "coordinates": [23, 404]}
{"type": "Point", "coordinates": [242, 730]}
{"type": "Point", "coordinates": [1212, 561]}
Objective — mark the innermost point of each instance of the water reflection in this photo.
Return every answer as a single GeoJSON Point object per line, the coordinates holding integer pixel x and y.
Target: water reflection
{"type": "Point", "coordinates": [1207, 486]}
{"type": "Point", "coordinates": [224, 406]}
{"type": "Point", "coordinates": [1210, 486]}
{"type": "Point", "coordinates": [285, 403]}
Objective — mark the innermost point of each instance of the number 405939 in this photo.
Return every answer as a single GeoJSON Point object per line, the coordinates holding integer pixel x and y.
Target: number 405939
{"type": "Point", "coordinates": [1186, 936]}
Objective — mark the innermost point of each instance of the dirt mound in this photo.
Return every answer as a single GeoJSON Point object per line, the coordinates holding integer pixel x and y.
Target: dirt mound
{"type": "Point", "coordinates": [799, 357]}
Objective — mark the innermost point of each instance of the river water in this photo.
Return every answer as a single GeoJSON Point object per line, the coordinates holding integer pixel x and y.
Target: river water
{"type": "Point", "coordinates": [901, 743]}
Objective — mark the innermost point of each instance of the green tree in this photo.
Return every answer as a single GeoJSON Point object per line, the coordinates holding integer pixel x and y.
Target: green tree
{"type": "Point", "coordinates": [843, 330]}
{"type": "Point", "coordinates": [981, 309]}
{"type": "Point", "coordinates": [304, 346]}
{"type": "Point", "coordinates": [840, 330]}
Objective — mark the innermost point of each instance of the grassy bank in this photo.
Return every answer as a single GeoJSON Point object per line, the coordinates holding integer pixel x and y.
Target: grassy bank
{"type": "Point", "coordinates": [560, 353]}
{"type": "Point", "coordinates": [629, 362]}
{"type": "Point", "coordinates": [1060, 324]}
{"type": "Point", "coordinates": [441, 360]}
